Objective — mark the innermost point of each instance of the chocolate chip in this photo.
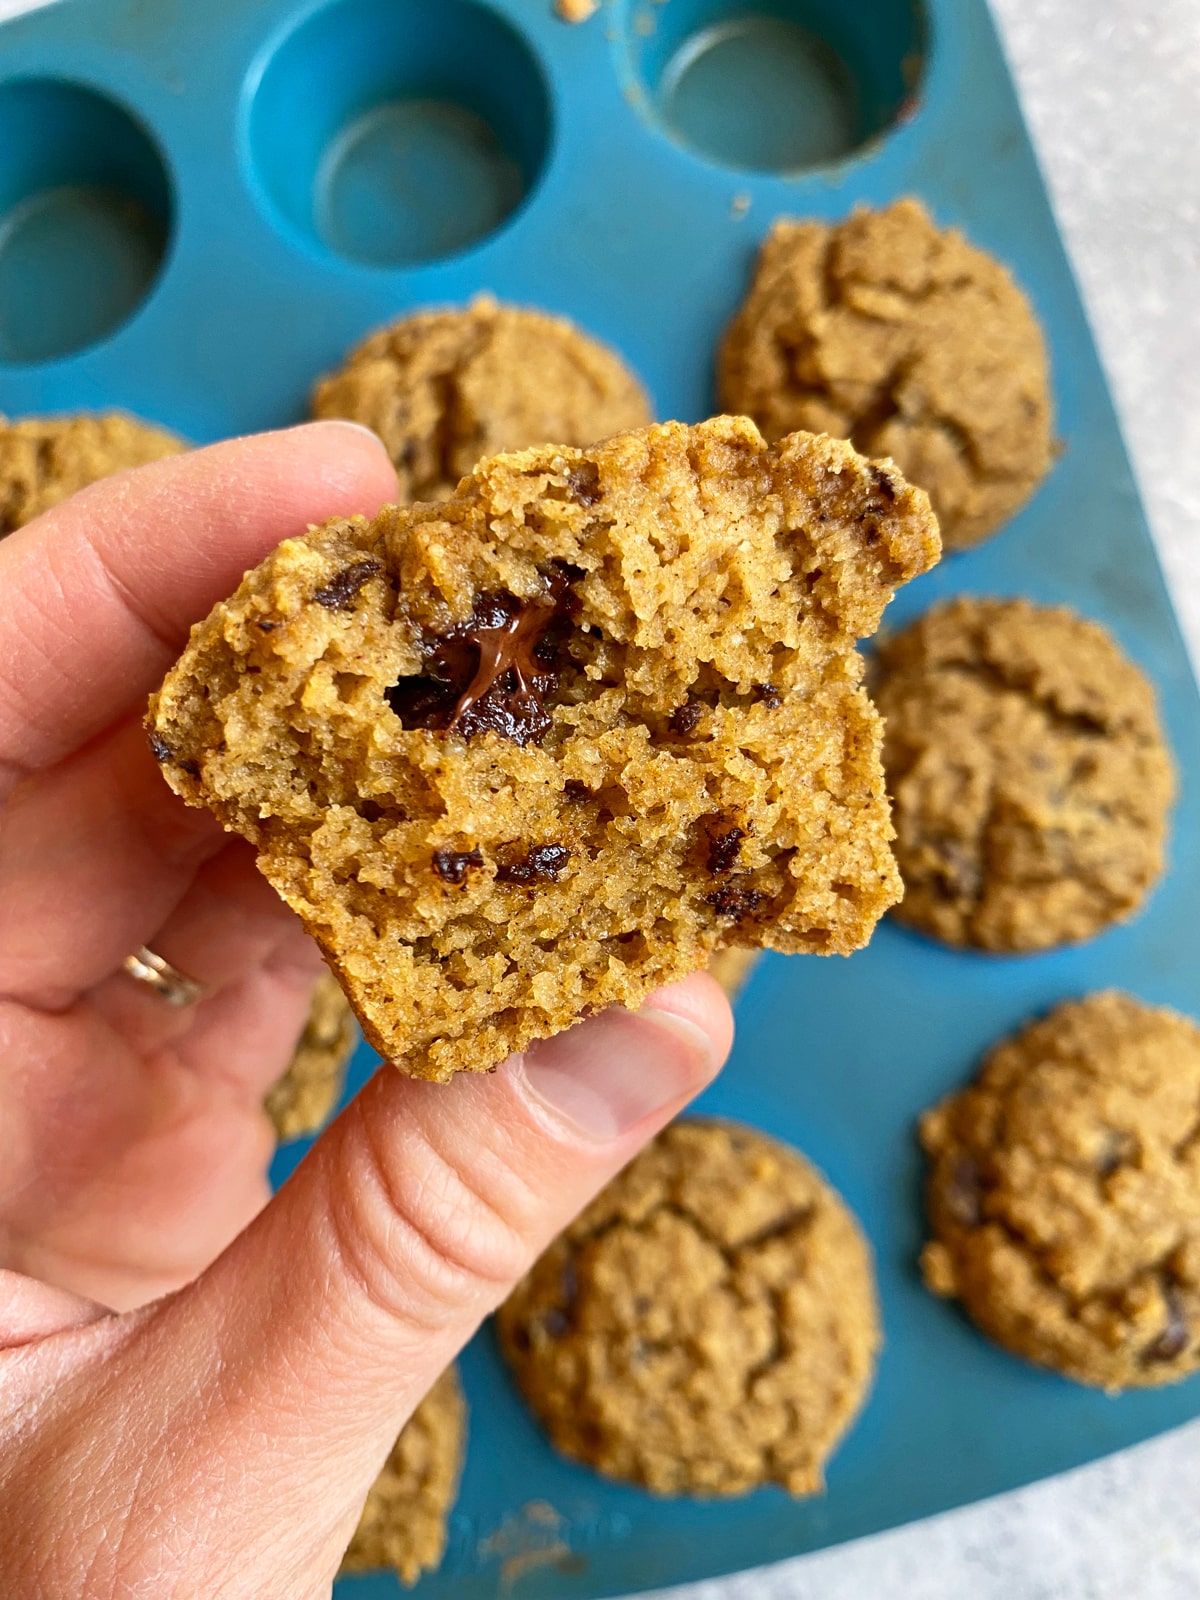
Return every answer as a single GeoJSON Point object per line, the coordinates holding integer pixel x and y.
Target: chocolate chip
{"type": "Point", "coordinates": [963, 1193]}
{"type": "Point", "coordinates": [583, 479]}
{"type": "Point", "coordinates": [159, 748]}
{"type": "Point", "coordinates": [451, 865]}
{"type": "Point", "coordinates": [1116, 1149]}
{"type": "Point", "coordinates": [1176, 1335]}
{"type": "Point", "coordinates": [723, 849]}
{"type": "Point", "coordinates": [265, 625]}
{"type": "Point", "coordinates": [492, 672]}
{"type": "Point", "coordinates": [768, 695]}
{"type": "Point", "coordinates": [575, 793]}
{"type": "Point", "coordinates": [883, 481]}
{"type": "Point", "coordinates": [735, 900]}
{"type": "Point", "coordinates": [338, 594]}
{"type": "Point", "coordinates": [685, 717]}
{"type": "Point", "coordinates": [542, 865]}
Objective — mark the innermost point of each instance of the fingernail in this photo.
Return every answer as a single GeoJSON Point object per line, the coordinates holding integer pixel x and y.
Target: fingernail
{"type": "Point", "coordinates": [353, 427]}
{"type": "Point", "coordinates": [607, 1074]}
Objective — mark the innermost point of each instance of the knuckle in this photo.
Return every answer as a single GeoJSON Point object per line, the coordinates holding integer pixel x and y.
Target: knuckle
{"type": "Point", "coordinates": [418, 1238]}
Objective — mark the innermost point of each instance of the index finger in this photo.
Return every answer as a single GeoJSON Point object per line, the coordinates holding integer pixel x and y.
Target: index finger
{"type": "Point", "coordinates": [98, 594]}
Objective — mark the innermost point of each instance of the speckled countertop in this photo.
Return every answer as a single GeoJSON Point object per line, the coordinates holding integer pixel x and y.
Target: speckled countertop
{"type": "Point", "coordinates": [1111, 89]}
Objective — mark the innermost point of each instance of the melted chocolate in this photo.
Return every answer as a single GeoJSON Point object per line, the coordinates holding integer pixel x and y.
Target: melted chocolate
{"type": "Point", "coordinates": [542, 865]}
{"type": "Point", "coordinates": [338, 594]}
{"type": "Point", "coordinates": [684, 718]}
{"type": "Point", "coordinates": [735, 900]}
{"type": "Point", "coordinates": [159, 748]}
{"type": "Point", "coordinates": [768, 695]}
{"type": "Point", "coordinates": [964, 1192]}
{"type": "Point", "coordinates": [584, 482]}
{"type": "Point", "coordinates": [451, 865]}
{"type": "Point", "coordinates": [494, 671]}
{"type": "Point", "coordinates": [1174, 1338]}
{"type": "Point", "coordinates": [723, 849]}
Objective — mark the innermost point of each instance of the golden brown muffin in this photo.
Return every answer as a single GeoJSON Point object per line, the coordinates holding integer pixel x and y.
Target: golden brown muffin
{"type": "Point", "coordinates": [1064, 1193]}
{"type": "Point", "coordinates": [403, 1524]}
{"type": "Point", "coordinates": [444, 388]}
{"type": "Point", "coordinates": [547, 745]}
{"type": "Point", "coordinates": [904, 338]}
{"type": "Point", "coordinates": [1030, 780]}
{"type": "Point", "coordinates": [707, 1325]}
{"type": "Point", "coordinates": [308, 1091]}
{"type": "Point", "coordinates": [45, 459]}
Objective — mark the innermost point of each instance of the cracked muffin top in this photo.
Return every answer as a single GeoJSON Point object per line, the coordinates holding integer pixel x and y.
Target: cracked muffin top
{"type": "Point", "coordinates": [1030, 779]}
{"type": "Point", "coordinates": [444, 388]}
{"type": "Point", "coordinates": [1064, 1193]}
{"type": "Point", "coordinates": [907, 340]}
{"type": "Point", "coordinates": [547, 745]}
{"type": "Point", "coordinates": [45, 459]}
{"type": "Point", "coordinates": [707, 1325]}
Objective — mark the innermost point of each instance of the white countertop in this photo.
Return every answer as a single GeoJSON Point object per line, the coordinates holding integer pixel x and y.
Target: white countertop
{"type": "Point", "coordinates": [1111, 89]}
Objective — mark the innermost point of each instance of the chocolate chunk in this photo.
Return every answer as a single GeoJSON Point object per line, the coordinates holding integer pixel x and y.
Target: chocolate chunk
{"type": "Point", "coordinates": [883, 481]}
{"type": "Point", "coordinates": [451, 865]}
{"type": "Point", "coordinates": [159, 748]}
{"type": "Point", "coordinates": [1117, 1148]}
{"type": "Point", "coordinates": [685, 717]}
{"type": "Point", "coordinates": [964, 1192]}
{"type": "Point", "coordinates": [338, 594]}
{"type": "Point", "coordinates": [575, 793]}
{"type": "Point", "coordinates": [735, 900]}
{"type": "Point", "coordinates": [265, 625]}
{"type": "Point", "coordinates": [558, 1320]}
{"type": "Point", "coordinates": [1176, 1335]}
{"type": "Point", "coordinates": [192, 768]}
{"type": "Point", "coordinates": [493, 672]}
{"type": "Point", "coordinates": [723, 849]}
{"type": "Point", "coordinates": [768, 695]}
{"type": "Point", "coordinates": [584, 482]}
{"type": "Point", "coordinates": [542, 865]}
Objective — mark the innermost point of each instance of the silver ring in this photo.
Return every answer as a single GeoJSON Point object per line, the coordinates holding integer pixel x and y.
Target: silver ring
{"type": "Point", "coordinates": [171, 985]}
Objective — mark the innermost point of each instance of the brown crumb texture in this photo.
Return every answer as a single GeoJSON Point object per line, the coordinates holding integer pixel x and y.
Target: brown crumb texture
{"type": "Point", "coordinates": [45, 459]}
{"type": "Point", "coordinates": [709, 1324]}
{"type": "Point", "coordinates": [1031, 783]}
{"type": "Point", "coordinates": [403, 1524]}
{"type": "Point", "coordinates": [444, 388]}
{"type": "Point", "coordinates": [464, 776]}
{"type": "Point", "coordinates": [1064, 1193]}
{"type": "Point", "coordinates": [905, 338]}
{"type": "Point", "coordinates": [308, 1091]}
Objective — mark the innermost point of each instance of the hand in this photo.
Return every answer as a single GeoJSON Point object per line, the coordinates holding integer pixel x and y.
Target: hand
{"type": "Point", "coordinates": [219, 1441]}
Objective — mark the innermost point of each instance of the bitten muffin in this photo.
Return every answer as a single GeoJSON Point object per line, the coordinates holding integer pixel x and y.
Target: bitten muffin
{"type": "Point", "coordinates": [1064, 1193]}
{"type": "Point", "coordinates": [709, 1324]}
{"type": "Point", "coordinates": [1031, 783]}
{"type": "Point", "coordinates": [308, 1091]}
{"type": "Point", "coordinates": [444, 388]}
{"type": "Point", "coordinates": [403, 1524]}
{"type": "Point", "coordinates": [547, 745]}
{"type": "Point", "coordinates": [911, 342]}
{"type": "Point", "coordinates": [45, 459]}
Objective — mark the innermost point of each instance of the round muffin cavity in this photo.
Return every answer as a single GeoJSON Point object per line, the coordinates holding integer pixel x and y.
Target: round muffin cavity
{"type": "Point", "coordinates": [403, 1524]}
{"type": "Point", "coordinates": [444, 388]}
{"type": "Point", "coordinates": [709, 1324]}
{"type": "Point", "coordinates": [45, 459]}
{"type": "Point", "coordinates": [1064, 1193]}
{"type": "Point", "coordinates": [1030, 779]}
{"type": "Point", "coordinates": [906, 339]}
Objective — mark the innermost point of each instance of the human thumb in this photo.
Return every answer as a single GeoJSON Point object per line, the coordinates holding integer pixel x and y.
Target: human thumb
{"type": "Point", "coordinates": [281, 1376]}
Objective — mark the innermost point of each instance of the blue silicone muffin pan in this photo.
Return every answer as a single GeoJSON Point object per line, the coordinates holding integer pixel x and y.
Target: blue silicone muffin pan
{"type": "Point", "coordinates": [202, 206]}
